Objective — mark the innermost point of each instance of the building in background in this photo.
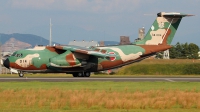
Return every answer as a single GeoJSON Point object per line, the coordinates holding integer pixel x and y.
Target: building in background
{"type": "Point", "coordinates": [124, 40]}
{"type": "Point", "coordinates": [84, 43]}
{"type": "Point", "coordinates": [166, 54]}
{"type": "Point", "coordinates": [141, 34]}
{"type": "Point", "coordinates": [101, 43]}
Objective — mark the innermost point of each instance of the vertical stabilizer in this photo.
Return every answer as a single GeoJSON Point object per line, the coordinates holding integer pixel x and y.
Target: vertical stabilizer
{"type": "Point", "coordinates": [163, 29]}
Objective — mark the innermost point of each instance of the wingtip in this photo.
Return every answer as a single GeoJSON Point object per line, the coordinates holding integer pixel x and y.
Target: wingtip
{"type": "Point", "coordinates": [190, 15]}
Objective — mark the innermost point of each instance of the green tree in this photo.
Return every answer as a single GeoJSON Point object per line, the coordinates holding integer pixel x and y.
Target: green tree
{"type": "Point", "coordinates": [193, 51]}
{"type": "Point", "coordinates": [179, 50]}
{"type": "Point", "coordinates": [185, 50]}
{"type": "Point", "coordinates": [159, 55]}
{"type": "Point", "coordinates": [172, 53]}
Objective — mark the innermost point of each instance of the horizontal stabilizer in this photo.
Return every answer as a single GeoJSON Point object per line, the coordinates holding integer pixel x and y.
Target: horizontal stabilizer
{"type": "Point", "coordinates": [172, 14]}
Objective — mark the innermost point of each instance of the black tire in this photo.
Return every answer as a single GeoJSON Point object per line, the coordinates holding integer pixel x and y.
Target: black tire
{"type": "Point", "coordinates": [75, 74]}
{"type": "Point", "coordinates": [80, 74]}
{"type": "Point", "coordinates": [87, 74]}
{"type": "Point", "coordinates": [21, 74]}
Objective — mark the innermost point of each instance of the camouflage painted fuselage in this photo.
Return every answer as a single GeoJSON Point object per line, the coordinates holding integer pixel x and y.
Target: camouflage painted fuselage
{"type": "Point", "coordinates": [56, 59]}
{"type": "Point", "coordinates": [70, 59]}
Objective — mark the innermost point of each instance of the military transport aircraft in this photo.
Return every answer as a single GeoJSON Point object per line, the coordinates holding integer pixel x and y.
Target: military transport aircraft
{"type": "Point", "coordinates": [81, 61]}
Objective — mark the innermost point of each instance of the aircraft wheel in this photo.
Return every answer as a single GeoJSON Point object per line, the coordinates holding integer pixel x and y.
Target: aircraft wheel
{"type": "Point", "coordinates": [87, 74]}
{"type": "Point", "coordinates": [75, 74]}
{"type": "Point", "coordinates": [80, 74]}
{"type": "Point", "coordinates": [21, 74]}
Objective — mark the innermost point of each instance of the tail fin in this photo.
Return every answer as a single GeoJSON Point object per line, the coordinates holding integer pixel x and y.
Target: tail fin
{"type": "Point", "coordinates": [163, 29]}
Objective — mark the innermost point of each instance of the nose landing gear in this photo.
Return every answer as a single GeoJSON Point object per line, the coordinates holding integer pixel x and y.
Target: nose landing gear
{"type": "Point", "coordinates": [21, 74]}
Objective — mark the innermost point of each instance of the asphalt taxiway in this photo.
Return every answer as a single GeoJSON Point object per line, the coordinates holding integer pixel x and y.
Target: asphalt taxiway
{"type": "Point", "coordinates": [76, 79]}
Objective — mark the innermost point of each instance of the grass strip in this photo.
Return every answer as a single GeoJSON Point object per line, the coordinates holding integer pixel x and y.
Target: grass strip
{"type": "Point", "coordinates": [102, 96]}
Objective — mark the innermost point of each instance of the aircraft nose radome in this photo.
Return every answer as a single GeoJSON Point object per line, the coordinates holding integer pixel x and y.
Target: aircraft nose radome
{"type": "Point", "coordinates": [6, 63]}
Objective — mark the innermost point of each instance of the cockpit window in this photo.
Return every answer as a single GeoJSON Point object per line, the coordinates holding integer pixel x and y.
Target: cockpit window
{"type": "Point", "coordinates": [17, 55]}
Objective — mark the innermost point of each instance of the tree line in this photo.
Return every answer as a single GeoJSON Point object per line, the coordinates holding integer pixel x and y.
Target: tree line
{"type": "Point", "coordinates": [182, 51]}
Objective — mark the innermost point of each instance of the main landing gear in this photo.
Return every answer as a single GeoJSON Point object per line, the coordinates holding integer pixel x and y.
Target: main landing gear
{"type": "Point", "coordinates": [81, 74]}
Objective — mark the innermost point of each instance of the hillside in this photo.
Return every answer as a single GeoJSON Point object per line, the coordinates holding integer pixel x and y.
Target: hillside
{"type": "Point", "coordinates": [16, 41]}
{"type": "Point", "coordinates": [27, 38]}
{"type": "Point", "coordinates": [13, 45]}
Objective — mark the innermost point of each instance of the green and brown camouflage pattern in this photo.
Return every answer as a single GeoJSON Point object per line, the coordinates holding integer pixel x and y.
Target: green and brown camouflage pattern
{"type": "Point", "coordinates": [70, 59]}
{"type": "Point", "coordinates": [163, 29]}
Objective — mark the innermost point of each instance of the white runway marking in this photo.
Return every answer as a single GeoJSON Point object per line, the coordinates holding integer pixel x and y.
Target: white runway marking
{"type": "Point", "coordinates": [170, 80]}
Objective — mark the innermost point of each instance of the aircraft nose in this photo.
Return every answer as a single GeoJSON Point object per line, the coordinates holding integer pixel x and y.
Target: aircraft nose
{"type": "Point", "coordinates": [6, 63]}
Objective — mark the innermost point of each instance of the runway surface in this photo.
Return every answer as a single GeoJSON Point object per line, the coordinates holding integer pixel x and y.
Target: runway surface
{"type": "Point", "coordinates": [166, 79]}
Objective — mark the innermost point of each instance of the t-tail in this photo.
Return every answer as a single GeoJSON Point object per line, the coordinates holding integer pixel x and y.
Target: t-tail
{"type": "Point", "coordinates": [163, 29]}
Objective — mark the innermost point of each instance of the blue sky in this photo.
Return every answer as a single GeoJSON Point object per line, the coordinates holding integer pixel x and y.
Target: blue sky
{"type": "Point", "coordinates": [95, 19]}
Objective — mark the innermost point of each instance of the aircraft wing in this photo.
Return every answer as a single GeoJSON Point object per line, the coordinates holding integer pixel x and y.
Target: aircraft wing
{"type": "Point", "coordinates": [87, 51]}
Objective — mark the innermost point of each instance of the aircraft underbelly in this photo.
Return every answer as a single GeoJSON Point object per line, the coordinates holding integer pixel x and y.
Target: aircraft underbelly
{"type": "Point", "coordinates": [106, 66]}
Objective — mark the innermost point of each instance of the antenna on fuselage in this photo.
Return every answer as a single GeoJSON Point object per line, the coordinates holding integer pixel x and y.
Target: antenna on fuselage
{"type": "Point", "coordinates": [50, 33]}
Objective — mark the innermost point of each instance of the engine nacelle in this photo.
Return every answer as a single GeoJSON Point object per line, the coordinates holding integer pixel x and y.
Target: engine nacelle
{"type": "Point", "coordinates": [65, 60]}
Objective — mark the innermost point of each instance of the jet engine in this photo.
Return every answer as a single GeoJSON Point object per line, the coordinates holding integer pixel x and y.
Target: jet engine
{"type": "Point", "coordinates": [65, 60]}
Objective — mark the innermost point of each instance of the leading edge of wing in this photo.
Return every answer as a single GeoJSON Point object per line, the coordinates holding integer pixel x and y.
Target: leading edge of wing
{"type": "Point", "coordinates": [87, 51]}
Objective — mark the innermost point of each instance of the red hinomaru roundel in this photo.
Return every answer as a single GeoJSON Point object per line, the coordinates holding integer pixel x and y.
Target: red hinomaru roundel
{"type": "Point", "coordinates": [112, 58]}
